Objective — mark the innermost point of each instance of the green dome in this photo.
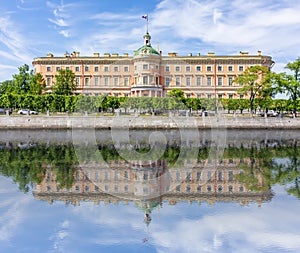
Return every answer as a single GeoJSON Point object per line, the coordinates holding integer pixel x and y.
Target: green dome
{"type": "Point", "coordinates": [146, 50]}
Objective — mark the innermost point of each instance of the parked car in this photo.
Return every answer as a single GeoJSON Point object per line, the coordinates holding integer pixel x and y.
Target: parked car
{"type": "Point", "coordinates": [270, 113]}
{"type": "Point", "coordinates": [27, 111]}
{"type": "Point", "coordinates": [5, 110]}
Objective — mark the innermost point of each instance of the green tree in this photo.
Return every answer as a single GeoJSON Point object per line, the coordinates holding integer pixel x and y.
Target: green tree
{"type": "Point", "coordinates": [22, 80]}
{"type": "Point", "coordinates": [289, 84]}
{"type": "Point", "coordinates": [256, 83]}
{"type": "Point", "coordinates": [176, 93]}
{"type": "Point", "coordinates": [36, 84]}
{"type": "Point", "coordinates": [7, 87]}
{"type": "Point", "coordinates": [65, 82]}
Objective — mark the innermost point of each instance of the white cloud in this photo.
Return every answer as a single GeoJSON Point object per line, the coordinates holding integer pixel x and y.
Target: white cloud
{"type": "Point", "coordinates": [12, 215]}
{"type": "Point", "coordinates": [242, 230]}
{"type": "Point", "coordinates": [58, 22]}
{"type": "Point", "coordinates": [13, 40]}
{"type": "Point", "coordinates": [255, 27]}
{"type": "Point", "coordinates": [60, 237]}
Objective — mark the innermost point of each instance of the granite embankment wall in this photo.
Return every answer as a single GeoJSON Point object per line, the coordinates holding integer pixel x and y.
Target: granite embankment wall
{"type": "Point", "coordinates": [145, 122]}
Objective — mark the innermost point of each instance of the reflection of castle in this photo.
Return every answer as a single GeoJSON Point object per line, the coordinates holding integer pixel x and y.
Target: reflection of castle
{"type": "Point", "coordinates": [122, 181]}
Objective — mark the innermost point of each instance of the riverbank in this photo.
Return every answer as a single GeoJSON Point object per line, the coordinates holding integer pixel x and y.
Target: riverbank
{"type": "Point", "coordinates": [145, 122]}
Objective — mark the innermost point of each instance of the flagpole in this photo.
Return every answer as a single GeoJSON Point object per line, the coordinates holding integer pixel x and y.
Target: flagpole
{"type": "Point", "coordinates": [147, 19]}
{"type": "Point", "coordinates": [147, 22]}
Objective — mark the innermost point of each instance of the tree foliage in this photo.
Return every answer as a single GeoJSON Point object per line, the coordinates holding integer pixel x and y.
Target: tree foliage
{"type": "Point", "coordinates": [256, 83]}
{"type": "Point", "coordinates": [65, 83]}
{"type": "Point", "coordinates": [289, 84]}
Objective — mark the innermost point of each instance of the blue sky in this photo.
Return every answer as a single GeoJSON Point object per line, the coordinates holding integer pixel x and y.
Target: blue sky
{"type": "Point", "coordinates": [30, 225]}
{"type": "Point", "coordinates": [33, 28]}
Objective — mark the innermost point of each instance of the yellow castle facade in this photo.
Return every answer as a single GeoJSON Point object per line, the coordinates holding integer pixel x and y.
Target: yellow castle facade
{"type": "Point", "coordinates": [149, 73]}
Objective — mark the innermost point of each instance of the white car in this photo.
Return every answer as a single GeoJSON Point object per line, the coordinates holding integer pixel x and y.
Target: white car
{"type": "Point", "coordinates": [27, 111]}
{"type": "Point", "coordinates": [270, 113]}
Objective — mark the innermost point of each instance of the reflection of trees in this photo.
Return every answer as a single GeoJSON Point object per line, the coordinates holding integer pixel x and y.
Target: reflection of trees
{"type": "Point", "coordinates": [287, 171]}
{"type": "Point", "coordinates": [257, 173]}
{"type": "Point", "coordinates": [260, 168]}
{"type": "Point", "coordinates": [27, 166]}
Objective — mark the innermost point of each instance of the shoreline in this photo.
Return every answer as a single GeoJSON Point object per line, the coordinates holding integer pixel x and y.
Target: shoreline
{"type": "Point", "coordinates": [145, 122]}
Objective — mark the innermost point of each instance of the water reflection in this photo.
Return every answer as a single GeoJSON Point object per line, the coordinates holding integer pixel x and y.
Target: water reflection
{"type": "Point", "coordinates": [247, 174]}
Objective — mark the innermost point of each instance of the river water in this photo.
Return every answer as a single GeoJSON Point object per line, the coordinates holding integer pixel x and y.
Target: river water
{"type": "Point", "coordinates": [149, 191]}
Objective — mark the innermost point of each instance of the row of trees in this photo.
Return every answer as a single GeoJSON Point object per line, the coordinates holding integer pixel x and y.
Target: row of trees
{"type": "Point", "coordinates": [94, 104]}
{"type": "Point", "coordinates": [257, 82]}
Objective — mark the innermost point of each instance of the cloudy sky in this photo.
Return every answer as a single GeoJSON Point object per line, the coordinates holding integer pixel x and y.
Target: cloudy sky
{"type": "Point", "coordinates": [30, 225]}
{"type": "Point", "coordinates": [33, 28]}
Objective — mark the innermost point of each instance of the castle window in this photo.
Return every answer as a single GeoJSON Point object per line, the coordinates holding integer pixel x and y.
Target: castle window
{"type": "Point", "coordinates": [188, 81]}
{"type": "Point", "coordinates": [177, 68]}
{"type": "Point", "coordinates": [145, 66]}
{"type": "Point", "coordinates": [106, 68]}
{"type": "Point", "coordinates": [167, 81]}
{"type": "Point", "coordinates": [220, 68]}
{"type": "Point", "coordinates": [145, 80]}
{"type": "Point", "coordinates": [86, 68]}
{"type": "Point", "coordinates": [188, 68]}
{"type": "Point", "coordinates": [198, 68]}
{"type": "Point", "coordinates": [77, 69]}
{"type": "Point", "coordinates": [220, 81]}
{"type": "Point", "coordinates": [208, 68]}
{"type": "Point", "coordinates": [199, 80]}
{"type": "Point", "coordinates": [208, 81]}
{"type": "Point", "coordinates": [48, 69]}
{"type": "Point", "coordinates": [116, 68]}
{"type": "Point", "coordinates": [116, 81]}
{"type": "Point", "coordinates": [96, 80]}
{"type": "Point", "coordinates": [126, 81]}
{"type": "Point", "coordinates": [96, 69]}
{"type": "Point", "coordinates": [86, 81]}
{"type": "Point", "coordinates": [167, 68]}
{"type": "Point", "coordinates": [177, 81]}
{"type": "Point", "coordinates": [106, 81]}
{"type": "Point", "coordinates": [241, 68]}
{"type": "Point", "coordinates": [126, 68]}
{"type": "Point", "coordinates": [230, 68]}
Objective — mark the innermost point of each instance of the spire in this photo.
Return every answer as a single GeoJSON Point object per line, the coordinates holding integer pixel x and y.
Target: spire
{"type": "Point", "coordinates": [147, 36]}
{"type": "Point", "coordinates": [147, 39]}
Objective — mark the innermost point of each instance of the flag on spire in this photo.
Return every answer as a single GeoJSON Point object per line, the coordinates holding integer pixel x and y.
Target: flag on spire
{"type": "Point", "coordinates": [146, 17]}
